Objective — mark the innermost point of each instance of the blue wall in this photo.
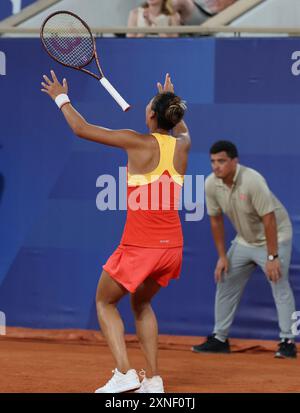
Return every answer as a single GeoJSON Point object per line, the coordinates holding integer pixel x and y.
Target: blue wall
{"type": "Point", "coordinates": [53, 240]}
{"type": "Point", "coordinates": [6, 7]}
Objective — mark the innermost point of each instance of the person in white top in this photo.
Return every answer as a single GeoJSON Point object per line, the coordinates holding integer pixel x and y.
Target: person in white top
{"type": "Point", "coordinates": [153, 13]}
{"type": "Point", "coordinates": [195, 12]}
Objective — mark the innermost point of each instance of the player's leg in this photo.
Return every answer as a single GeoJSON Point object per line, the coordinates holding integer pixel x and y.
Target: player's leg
{"type": "Point", "coordinates": [230, 289]}
{"type": "Point", "coordinates": [146, 323]}
{"type": "Point", "coordinates": [109, 292]}
{"type": "Point", "coordinates": [283, 295]}
{"type": "Point", "coordinates": [228, 295]}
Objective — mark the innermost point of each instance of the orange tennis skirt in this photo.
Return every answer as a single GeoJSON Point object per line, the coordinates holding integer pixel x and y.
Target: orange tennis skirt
{"type": "Point", "coordinates": [130, 265]}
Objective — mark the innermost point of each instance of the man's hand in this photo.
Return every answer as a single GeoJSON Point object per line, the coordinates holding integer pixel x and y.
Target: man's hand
{"type": "Point", "coordinates": [167, 87]}
{"type": "Point", "coordinates": [273, 270]}
{"type": "Point", "coordinates": [222, 266]}
{"type": "Point", "coordinates": [52, 87]}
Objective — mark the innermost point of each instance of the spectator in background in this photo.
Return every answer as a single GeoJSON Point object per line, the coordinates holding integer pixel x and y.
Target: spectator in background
{"type": "Point", "coordinates": [153, 13]}
{"type": "Point", "coordinates": [215, 6]}
{"type": "Point", "coordinates": [194, 12]}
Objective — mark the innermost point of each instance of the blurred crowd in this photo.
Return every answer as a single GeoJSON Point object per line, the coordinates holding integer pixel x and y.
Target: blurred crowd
{"type": "Point", "coordinates": [163, 13]}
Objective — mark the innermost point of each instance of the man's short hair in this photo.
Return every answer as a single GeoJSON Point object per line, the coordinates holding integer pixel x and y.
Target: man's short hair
{"type": "Point", "coordinates": [224, 146]}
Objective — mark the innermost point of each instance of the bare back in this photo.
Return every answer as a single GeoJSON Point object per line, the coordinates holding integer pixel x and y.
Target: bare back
{"type": "Point", "coordinates": [145, 159]}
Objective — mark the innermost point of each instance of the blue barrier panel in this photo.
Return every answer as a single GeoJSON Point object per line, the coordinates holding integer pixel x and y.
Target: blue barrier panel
{"type": "Point", "coordinates": [53, 238]}
{"type": "Point", "coordinates": [9, 7]}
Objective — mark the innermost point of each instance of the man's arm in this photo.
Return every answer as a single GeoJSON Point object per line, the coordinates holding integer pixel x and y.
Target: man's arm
{"type": "Point", "coordinates": [218, 232]}
{"type": "Point", "coordinates": [217, 226]}
{"type": "Point", "coordinates": [270, 226]}
{"type": "Point", "coordinates": [125, 139]}
{"type": "Point", "coordinates": [273, 269]}
{"type": "Point", "coordinates": [262, 202]}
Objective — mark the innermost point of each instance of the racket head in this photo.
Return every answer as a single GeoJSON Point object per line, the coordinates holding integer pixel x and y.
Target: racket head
{"type": "Point", "coordinates": [68, 39]}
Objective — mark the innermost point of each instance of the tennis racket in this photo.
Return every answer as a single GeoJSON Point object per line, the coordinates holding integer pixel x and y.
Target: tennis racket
{"type": "Point", "coordinates": [69, 41]}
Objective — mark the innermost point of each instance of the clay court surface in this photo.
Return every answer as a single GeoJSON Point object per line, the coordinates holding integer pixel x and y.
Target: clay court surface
{"type": "Point", "coordinates": [78, 361]}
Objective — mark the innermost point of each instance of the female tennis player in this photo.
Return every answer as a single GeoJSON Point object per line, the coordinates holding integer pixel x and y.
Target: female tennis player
{"type": "Point", "coordinates": [150, 252]}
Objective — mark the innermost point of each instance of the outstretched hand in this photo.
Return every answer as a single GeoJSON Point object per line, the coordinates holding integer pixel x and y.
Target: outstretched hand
{"type": "Point", "coordinates": [53, 87]}
{"type": "Point", "coordinates": [168, 85]}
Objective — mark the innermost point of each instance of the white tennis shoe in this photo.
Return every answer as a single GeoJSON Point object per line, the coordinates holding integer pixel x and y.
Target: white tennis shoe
{"type": "Point", "coordinates": [121, 382]}
{"type": "Point", "coordinates": [153, 385]}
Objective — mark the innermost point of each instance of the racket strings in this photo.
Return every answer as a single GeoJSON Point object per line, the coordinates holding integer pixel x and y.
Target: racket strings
{"type": "Point", "coordinates": [68, 40]}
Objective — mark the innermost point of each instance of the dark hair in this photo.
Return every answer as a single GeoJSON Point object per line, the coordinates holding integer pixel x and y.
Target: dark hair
{"type": "Point", "coordinates": [169, 110]}
{"type": "Point", "coordinates": [225, 146]}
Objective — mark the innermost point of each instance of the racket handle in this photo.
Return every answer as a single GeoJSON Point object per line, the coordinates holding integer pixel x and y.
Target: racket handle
{"type": "Point", "coordinates": [112, 91]}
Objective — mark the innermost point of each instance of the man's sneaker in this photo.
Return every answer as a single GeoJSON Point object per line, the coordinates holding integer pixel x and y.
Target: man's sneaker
{"type": "Point", "coordinates": [120, 382]}
{"type": "Point", "coordinates": [153, 385]}
{"type": "Point", "coordinates": [212, 345]}
{"type": "Point", "coordinates": [286, 349]}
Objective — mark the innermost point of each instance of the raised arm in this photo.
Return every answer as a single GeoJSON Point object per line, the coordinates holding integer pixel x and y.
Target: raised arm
{"type": "Point", "coordinates": [181, 130]}
{"type": "Point", "coordinates": [122, 138]}
{"type": "Point", "coordinates": [125, 139]}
